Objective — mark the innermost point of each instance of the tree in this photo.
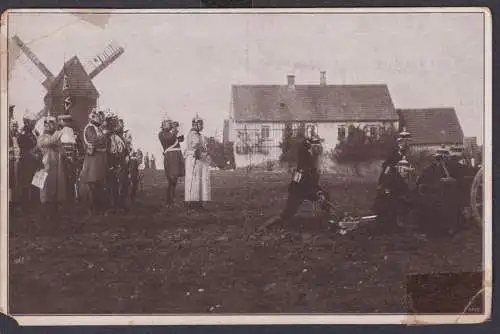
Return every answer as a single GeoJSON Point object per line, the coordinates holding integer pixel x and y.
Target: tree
{"type": "Point", "coordinates": [360, 147]}
{"type": "Point", "coordinates": [222, 155]}
{"type": "Point", "coordinates": [290, 143]}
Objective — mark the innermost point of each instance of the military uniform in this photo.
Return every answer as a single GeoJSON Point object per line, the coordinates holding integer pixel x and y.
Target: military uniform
{"type": "Point", "coordinates": [173, 161]}
{"type": "Point", "coordinates": [393, 197]}
{"type": "Point", "coordinates": [305, 183]}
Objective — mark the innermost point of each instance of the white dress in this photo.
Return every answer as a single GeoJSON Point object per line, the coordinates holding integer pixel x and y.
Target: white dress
{"type": "Point", "coordinates": [197, 179]}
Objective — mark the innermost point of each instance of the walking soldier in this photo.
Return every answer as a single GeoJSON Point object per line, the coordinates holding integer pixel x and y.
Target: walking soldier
{"type": "Point", "coordinates": [305, 181]}
{"type": "Point", "coordinates": [173, 162]}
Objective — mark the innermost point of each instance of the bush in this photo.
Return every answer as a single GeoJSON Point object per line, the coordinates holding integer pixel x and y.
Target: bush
{"type": "Point", "coordinates": [290, 143]}
{"type": "Point", "coordinates": [222, 155]}
{"type": "Point", "coordinates": [359, 148]}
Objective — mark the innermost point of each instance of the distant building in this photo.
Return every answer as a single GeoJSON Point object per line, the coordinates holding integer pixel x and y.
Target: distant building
{"type": "Point", "coordinates": [259, 114]}
{"type": "Point", "coordinates": [83, 93]}
{"type": "Point", "coordinates": [472, 150]}
{"type": "Point", "coordinates": [431, 128]}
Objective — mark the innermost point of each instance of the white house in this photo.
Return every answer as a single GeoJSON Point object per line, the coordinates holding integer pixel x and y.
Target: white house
{"type": "Point", "coordinates": [259, 114]}
{"type": "Point", "coordinates": [431, 128]}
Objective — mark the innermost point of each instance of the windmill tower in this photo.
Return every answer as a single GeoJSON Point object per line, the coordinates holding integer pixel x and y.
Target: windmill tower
{"type": "Point", "coordinates": [72, 89]}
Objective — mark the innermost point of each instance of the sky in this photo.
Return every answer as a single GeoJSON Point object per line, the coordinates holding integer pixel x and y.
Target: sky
{"type": "Point", "coordinates": [181, 64]}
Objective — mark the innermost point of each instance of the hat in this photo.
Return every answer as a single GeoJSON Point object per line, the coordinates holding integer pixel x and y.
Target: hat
{"type": "Point", "coordinates": [457, 150]}
{"type": "Point", "coordinates": [442, 151]}
{"type": "Point", "coordinates": [404, 135]}
{"type": "Point", "coordinates": [64, 117]}
{"type": "Point", "coordinates": [49, 119]}
{"type": "Point", "coordinates": [197, 119]}
{"type": "Point", "coordinates": [29, 115]}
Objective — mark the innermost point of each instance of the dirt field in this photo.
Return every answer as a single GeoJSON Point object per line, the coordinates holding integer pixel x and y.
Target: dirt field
{"type": "Point", "coordinates": [154, 260]}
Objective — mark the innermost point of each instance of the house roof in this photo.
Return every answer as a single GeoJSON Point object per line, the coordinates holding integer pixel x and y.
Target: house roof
{"type": "Point", "coordinates": [253, 103]}
{"type": "Point", "coordinates": [432, 125]}
{"type": "Point", "coordinates": [79, 81]}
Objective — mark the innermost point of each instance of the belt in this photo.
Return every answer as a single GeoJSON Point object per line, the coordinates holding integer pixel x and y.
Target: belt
{"type": "Point", "coordinates": [172, 149]}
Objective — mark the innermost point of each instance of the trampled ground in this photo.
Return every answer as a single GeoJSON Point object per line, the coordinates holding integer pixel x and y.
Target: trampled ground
{"type": "Point", "coordinates": [154, 260]}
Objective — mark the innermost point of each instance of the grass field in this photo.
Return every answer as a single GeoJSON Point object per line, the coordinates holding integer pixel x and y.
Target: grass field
{"type": "Point", "coordinates": [154, 260]}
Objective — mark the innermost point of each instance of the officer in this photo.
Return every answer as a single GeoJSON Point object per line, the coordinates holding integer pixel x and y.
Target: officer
{"type": "Point", "coordinates": [305, 181]}
{"type": "Point", "coordinates": [392, 201]}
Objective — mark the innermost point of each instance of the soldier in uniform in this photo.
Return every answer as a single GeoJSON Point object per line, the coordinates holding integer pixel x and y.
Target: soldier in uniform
{"type": "Point", "coordinates": [68, 141]}
{"type": "Point", "coordinates": [197, 175]}
{"type": "Point", "coordinates": [173, 161]}
{"type": "Point", "coordinates": [135, 162]}
{"type": "Point", "coordinates": [393, 198]}
{"type": "Point", "coordinates": [305, 182]}
{"type": "Point", "coordinates": [440, 189]}
{"type": "Point", "coordinates": [95, 163]}
{"type": "Point", "coordinates": [13, 159]}
{"type": "Point", "coordinates": [30, 161]}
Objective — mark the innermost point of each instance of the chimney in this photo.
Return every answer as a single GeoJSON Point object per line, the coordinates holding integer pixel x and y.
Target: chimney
{"type": "Point", "coordinates": [322, 79]}
{"type": "Point", "coordinates": [291, 81]}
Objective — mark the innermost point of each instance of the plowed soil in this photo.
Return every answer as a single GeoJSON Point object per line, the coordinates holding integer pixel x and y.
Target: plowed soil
{"type": "Point", "coordinates": [158, 260]}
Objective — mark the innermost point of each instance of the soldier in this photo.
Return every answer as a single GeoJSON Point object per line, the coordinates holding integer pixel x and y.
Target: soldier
{"type": "Point", "coordinates": [68, 141]}
{"type": "Point", "coordinates": [13, 160]}
{"type": "Point", "coordinates": [95, 163]}
{"type": "Point", "coordinates": [442, 194]}
{"type": "Point", "coordinates": [29, 161]}
{"type": "Point", "coordinates": [123, 171]}
{"type": "Point", "coordinates": [135, 162]}
{"type": "Point", "coordinates": [305, 182]}
{"type": "Point", "coordinates": [197, 180]}
{"type": "Point", "coordinates": [392, 201]}
{"type": "Point", "coordinates": [173, 162]}
{"type": "Point", "coordinates": [54, 192]}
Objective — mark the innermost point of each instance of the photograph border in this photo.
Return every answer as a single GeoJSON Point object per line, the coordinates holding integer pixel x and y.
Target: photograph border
{"type": "Point", "coordinates": [255, 319]}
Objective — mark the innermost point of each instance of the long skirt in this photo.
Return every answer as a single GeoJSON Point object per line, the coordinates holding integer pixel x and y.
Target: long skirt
{"type": "Point", "coordinates": [197, 181]}
{"type": "Point", "coordinates": [94, 167]}
{"type": "Point", "coordinates": [54, 190]}
{"type": "Point", "coordinates": [173, 163]}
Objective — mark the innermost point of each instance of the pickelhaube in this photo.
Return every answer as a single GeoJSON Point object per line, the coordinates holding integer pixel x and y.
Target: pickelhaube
{"type": "Point", "coordinates": [197, 119]}
{"type": "Point", "coordinates": [404, 135]}
{"type": "Point", "coordinates": [457, 150]}
{"type": "Point", "coordinates": [442, 152]}
{"type": "Point", "coordinates": [49, 119]}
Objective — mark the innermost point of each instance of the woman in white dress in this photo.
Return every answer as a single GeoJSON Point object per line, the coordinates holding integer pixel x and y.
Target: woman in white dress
{"type": "Point", "coordinates": [197, 162]}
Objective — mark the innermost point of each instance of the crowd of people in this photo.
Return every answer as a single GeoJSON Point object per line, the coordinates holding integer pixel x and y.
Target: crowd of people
{"type": "Point", "coordinates": [63, 166]}
{"type": "Point", "coordinates": [103, 161]}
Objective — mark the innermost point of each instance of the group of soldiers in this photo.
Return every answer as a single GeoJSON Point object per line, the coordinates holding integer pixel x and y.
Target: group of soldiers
{"type": "Point", "coordinates": [436, 201]}
{"type": "Point", "coordinates": [103, 160]}
{"type": "Point", "coordinates": [97, 164]}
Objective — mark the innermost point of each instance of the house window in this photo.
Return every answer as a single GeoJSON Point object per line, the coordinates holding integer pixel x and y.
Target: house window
{"type": "Point", "coordinates": [341, 133]}
{"type": "Point", "coordinates": [265, 132]}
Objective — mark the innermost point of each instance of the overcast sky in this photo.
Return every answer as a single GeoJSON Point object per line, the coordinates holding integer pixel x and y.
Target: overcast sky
{"type": "Point", "coordinates": [185, 64]}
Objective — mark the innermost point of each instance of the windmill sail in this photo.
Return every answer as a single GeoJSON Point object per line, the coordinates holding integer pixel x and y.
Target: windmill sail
{"type": "Point", "coordinates": [105, 58]}
{"type": "Point", "coordinates": [41, 66]}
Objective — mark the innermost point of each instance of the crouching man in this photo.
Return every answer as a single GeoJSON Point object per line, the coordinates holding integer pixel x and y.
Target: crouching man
{"type": "Point", "coordinates": [305, 182]}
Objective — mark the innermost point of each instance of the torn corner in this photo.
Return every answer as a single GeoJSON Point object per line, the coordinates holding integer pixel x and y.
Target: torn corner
{"type": "Point", "coordinates": [4, 17]}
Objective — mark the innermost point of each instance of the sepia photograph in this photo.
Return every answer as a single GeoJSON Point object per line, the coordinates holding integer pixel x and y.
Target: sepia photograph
{"type": "Point", "coordinates": [246, 166]}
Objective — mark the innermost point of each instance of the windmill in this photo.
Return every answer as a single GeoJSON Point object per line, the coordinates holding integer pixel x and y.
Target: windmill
{"type": "Point", "coordinates": [72, 89]}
